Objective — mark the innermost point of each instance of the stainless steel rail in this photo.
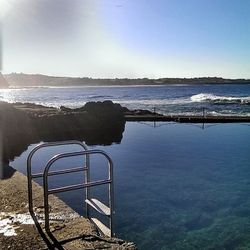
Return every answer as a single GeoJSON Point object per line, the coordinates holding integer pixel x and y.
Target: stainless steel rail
{"type": "Point", "coordinates": [86, 185]}
{"type": "Point", "coordinates": [58, 172]}
{"type": "Point", "coordinates": [78, 186]}
{"type": "Point", "coordinates": [48, 191]}
{"type": "Point", "coordinates": [29, 166]}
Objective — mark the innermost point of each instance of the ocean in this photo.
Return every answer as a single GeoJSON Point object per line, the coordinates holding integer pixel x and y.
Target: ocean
{"type": "Point", "coordinates": [177, 186]}
{"type": "Point", "coordinates": [218, 99]}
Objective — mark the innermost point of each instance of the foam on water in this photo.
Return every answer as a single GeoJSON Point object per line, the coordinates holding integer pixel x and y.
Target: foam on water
{"type": "Point", "coordinates": [156, 101]}
{"type": "Point", "coordinates": [204, 97]}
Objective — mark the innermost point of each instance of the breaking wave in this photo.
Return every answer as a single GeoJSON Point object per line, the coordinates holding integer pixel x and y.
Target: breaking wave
{"type": "Point", "coordinates": [203, 97]}
{"type": "Point", "coordinates": [154, 102]}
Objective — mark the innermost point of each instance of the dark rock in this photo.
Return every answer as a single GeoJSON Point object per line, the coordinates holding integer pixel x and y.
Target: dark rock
{"type": "Point", "coordinates": [62, 108]}
{"type": "Point", "coordinates": [142, 112]}
{"type": "Point", "coordinates": [16, 130]}
{"type": "Point", "coordinates": [24, 124]}
{"type": "Point", "coordinates": [106, 110]}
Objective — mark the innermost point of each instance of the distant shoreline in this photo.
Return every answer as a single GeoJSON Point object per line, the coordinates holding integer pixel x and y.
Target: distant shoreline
{"type": "Point", "coordinates": [38, 80]}
{"type": "Point", "coordinates": [121, 86]}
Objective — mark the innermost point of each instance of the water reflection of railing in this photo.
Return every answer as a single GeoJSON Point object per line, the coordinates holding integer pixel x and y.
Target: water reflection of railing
{"type": "Point", "coordinates": [155, 124]}
{"type": "Point", "coordinates": [204, 125]}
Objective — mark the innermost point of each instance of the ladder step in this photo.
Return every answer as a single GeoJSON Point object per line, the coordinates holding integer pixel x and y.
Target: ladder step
{"type": "Point", "coordinates": [104, 229]}
{"type": "Point", "coordinates": [98, 206]}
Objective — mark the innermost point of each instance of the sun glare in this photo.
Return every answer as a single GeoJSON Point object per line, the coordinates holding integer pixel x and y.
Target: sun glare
{"type": "Point", "coordinates": [4, 7]}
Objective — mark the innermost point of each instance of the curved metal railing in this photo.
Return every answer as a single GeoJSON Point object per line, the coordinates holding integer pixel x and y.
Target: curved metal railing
{"type": "Point", "coordinates": [48, 191]}
{"type": "Point", "coordinates": [39, 175]}
{"type": "Point", "coordinates": [94, 203]}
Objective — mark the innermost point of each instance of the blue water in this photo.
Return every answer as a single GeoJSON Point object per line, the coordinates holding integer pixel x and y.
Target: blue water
{"type": "Point", "coordinates": [217, 99]}
{"type": "Point", "coordinates": [177, 186]}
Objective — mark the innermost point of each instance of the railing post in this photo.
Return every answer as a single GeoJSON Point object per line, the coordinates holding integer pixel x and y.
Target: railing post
{"type": "Point", "coordinates": [46, 202]}
{"type": "Point", "coordinates": [111, 195]}
{"type": "Point", "coordinates": [87, 180]}
{"type": "Point", "coordinates": [30, 194]}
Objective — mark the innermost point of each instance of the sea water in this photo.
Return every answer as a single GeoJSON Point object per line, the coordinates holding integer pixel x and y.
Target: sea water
{"type": "Point", "coordinates": [177, 186]}
{"type": "Point", "coordinates": [215, 99]}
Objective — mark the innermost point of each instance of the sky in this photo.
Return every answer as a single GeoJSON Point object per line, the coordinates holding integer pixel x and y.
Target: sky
{"type": "Point", "coordinates": [126, 38]}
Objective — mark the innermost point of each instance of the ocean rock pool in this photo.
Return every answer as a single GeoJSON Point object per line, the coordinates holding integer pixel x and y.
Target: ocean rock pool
{"type": "Point", "coordinates": [177, 186]}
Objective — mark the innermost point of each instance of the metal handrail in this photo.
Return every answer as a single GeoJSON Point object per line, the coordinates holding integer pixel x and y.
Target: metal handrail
{"type": "Point", "coordinates": [85, 185]}
{"type": "Point", "coordinates": [29, 170]}
{"type": "Point", "coordinates": [58, 172]}
{"type": "Point", "coordinates": [108, 181]}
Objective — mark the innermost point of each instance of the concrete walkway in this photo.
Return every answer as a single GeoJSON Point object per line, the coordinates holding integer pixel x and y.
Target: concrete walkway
{"type": "Point", "coordinates": [17, 230]}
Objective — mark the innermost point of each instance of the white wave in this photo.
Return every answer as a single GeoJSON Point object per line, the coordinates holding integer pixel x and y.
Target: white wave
{"type": "Point", "coordinates": [155, 101]}
{"type": "Point", "coordinates": [206, 97]}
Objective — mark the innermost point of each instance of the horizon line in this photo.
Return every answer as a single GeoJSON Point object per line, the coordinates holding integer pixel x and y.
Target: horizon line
{"type": "Point", "coordinates": [120, 78]}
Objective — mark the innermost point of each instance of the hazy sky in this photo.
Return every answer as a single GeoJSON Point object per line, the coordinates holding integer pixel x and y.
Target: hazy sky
{"type": "Point", "coordinates": [127, 38]}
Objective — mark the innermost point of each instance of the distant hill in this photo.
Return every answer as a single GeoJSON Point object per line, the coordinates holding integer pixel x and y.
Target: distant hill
{"type": "Point", "coordinates": [20, 79]}
{"type": "Point", "coordinates": [3, 82]}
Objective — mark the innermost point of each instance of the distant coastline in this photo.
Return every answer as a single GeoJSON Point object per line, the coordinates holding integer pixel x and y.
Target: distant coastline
{"type": "Point", "coordinates": [36, 80]}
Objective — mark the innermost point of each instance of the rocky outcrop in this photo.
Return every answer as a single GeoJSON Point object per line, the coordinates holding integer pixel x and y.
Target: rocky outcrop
{"type": "Point", "coordinates": [99, 123]}
{"type": "Point", "coordinates": [3, 82]}
{"type": "Point", "coordinates": [16, 131]}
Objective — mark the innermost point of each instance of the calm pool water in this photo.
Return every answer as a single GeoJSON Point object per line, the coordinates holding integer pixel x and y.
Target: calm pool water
{"type": "Point", "coordinates": [177, 186]}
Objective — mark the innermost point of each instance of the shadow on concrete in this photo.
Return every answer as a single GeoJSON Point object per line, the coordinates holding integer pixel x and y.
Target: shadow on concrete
{"type": "Point", "coordinates": [55, 245]}
{"type": "Point", "coordinates": [6, 171]}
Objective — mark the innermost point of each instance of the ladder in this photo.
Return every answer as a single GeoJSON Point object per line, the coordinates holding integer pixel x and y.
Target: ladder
{"type": "Point", "coordinates": [91, 203]}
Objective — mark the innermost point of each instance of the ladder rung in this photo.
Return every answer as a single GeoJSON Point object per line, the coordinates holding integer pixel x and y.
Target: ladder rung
{"type": "Point", "coordinates": [104, 229]}
{"type": "Point", "coordinates": [78, 186]}
{"type": "Point", "coordinates": [98, 206]}
{"type": "Point", "coordinates": [63, 171]}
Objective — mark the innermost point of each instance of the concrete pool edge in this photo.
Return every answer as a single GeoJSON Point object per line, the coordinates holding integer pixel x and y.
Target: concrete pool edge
{"type": "Point", "coordinates": [18, 232]}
